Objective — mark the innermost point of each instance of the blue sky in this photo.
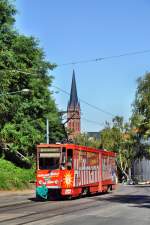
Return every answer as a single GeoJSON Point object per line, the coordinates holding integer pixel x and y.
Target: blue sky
{"type": "Point", "coordinates": [78, 30]}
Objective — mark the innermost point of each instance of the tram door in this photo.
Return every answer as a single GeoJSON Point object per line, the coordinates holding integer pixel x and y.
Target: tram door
{"type": "Point", "coordinates": [69, 159]}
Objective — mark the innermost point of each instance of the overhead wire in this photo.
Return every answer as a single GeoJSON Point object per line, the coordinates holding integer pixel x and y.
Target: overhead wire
{"type": "Point", "coordinates": [88, 120]}
{"type": "Point", "coordinates": [85, 102]}
{"type": "Point", "coordinates": [64, 91]}
{"type": "Point", "coordinates": [89, 61]}
{"type": "Point", "coordinates": [92, 121]}
{"type": "Point", "coordinates": [105, 58]}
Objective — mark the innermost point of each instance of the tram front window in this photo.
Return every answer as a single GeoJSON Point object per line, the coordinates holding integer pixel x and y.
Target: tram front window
{"type": "Point", "coordinates": [49, 162]}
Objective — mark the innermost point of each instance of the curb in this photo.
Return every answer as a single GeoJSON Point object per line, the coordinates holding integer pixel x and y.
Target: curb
{"type": "Point", "coordinates": [16, 193]}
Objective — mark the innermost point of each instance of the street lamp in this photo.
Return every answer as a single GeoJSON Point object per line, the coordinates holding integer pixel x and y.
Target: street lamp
{"type": "Point", "coordinates": [25, 90]}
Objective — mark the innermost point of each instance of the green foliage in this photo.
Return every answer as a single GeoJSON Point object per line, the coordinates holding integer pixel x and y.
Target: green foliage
{"type": "Point", "coordinates": [85, 140]}
{"type": "Point", "coordinates": [7, 12]}
{"type": "Point", "coordinates": [120, 139]}
{"type": "Point", "coordinates": [140, 119]}
{"type": "Point", "coordinates": [141, 107]}
{"type": "Point", "coordinates": [23, 66]}
{"type": "Point", "coordinates": [12, 177]}
{"type": "Point", "coordinates": [112, 137]}
{"type": "Point", "coordinates": [131, 140]}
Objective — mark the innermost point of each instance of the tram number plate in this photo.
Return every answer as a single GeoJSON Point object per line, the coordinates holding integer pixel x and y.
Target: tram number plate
{"type": "Point", "coordinates": [68, 191]}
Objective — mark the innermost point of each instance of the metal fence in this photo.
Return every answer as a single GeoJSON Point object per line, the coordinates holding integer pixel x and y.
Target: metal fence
{"type": "Point", "coordinates": [141, 170]}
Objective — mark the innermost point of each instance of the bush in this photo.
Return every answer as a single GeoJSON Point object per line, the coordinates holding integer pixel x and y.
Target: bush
{"type": "Point", "coordinates": [13, 177]}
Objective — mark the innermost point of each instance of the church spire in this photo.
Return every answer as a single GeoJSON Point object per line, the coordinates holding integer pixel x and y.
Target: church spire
{"type": "Point", "coordinates": [73, 111]}
{"type": "Point", "coordinates": [73, 102]}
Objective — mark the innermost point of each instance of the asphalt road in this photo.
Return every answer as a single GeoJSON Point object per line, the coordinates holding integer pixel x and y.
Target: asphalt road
{"type": "Point", "coordinates": [129, 205]}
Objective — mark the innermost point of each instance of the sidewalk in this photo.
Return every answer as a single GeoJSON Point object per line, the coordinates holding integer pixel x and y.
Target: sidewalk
{"type": "Point", "coordinates": [8, 198]}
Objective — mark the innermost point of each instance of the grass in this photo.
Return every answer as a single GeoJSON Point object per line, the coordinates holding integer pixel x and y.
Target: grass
{"type": "Point", "coordinates": [13, 177]}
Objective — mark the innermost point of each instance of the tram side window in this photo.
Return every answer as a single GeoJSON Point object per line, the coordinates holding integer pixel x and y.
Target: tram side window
{"type": "Point", "coordinates": [69, 159]}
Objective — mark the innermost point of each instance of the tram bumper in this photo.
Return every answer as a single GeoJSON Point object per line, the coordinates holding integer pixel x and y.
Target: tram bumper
{"type": "Point", "coordinates": [42, 192]}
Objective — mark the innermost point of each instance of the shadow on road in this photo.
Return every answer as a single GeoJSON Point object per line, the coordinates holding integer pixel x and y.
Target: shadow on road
{"type": "Point", "coordinates": [34, 199]}
{"type": "Point", "coordinates": [126, 196]}
{"type": "Point", "coordinates": [141, 201]}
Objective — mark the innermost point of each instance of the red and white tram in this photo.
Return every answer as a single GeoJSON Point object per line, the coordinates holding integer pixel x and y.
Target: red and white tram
{"type": "Point", "coordinates": [73, 170]}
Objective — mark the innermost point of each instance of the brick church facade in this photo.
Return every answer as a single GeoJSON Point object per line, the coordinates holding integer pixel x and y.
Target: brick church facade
{"type": "Point", "coordinates": [73, 111]}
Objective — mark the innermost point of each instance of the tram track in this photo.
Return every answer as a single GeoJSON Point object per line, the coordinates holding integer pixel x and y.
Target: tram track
{"type": "Point", "coordinates": [37, 211]}
{"type": "Point", "coordinates": [46, 208]}
{"type": "Point", "coordinates": [31, 203]}
{"type": "Point", "coordinates": [9, 207]}
{"type": "Point", "coordinates": [19, 205]}
{"type": "Point", "coordinates": [34, 203]}
{"type": "Point", "coordinates": [51, 213]}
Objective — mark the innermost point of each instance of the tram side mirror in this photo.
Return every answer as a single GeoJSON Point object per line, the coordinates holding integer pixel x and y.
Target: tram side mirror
{"type": "Point", "coordinates": [62, 166]}
{"type": "Point", "coordinates": [63, 160]}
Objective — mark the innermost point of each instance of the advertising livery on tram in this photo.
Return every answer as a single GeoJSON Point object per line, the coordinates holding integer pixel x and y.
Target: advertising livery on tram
{"type": "Point", "coordinates": [72, 170]}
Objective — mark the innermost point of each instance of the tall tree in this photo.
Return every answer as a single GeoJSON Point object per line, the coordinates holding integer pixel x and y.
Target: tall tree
{"type": "Point", "coordinates": [141, 115]}
{"type": "Point", "coordinates": [23, 66]}
{"type": "Point", "coordinates": [85, 140]}
{"type": "Point", "coordinates": [120, 139]}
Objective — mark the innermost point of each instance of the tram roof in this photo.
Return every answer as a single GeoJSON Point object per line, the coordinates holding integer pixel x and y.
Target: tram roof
{"type": "Point", "coordinates": [74, 146]}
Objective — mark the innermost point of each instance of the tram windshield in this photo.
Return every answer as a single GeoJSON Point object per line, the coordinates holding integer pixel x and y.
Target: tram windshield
{"type": "Point", "coordinates": [49, 161]}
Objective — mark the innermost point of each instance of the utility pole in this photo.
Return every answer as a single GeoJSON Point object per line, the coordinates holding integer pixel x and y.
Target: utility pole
{"type": "Point", "coordinates": [47, 131]}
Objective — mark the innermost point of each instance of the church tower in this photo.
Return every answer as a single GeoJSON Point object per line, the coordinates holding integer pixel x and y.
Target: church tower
{"type": "Point", "coordinates": [73, 110]}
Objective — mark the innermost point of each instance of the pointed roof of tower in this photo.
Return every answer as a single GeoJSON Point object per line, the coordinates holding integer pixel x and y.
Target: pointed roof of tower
{"type": "Point", "coordinates": [73, 102]}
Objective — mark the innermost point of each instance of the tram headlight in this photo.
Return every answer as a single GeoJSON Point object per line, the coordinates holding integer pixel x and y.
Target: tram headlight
{"type": "Point", "coordinates": [56, 182]}
{"type": "Point", "coordinates": [40, 182]}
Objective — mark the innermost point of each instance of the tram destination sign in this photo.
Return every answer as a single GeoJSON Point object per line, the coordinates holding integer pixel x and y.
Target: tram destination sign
{"type": "Point", "coordinates": [49, 150]}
